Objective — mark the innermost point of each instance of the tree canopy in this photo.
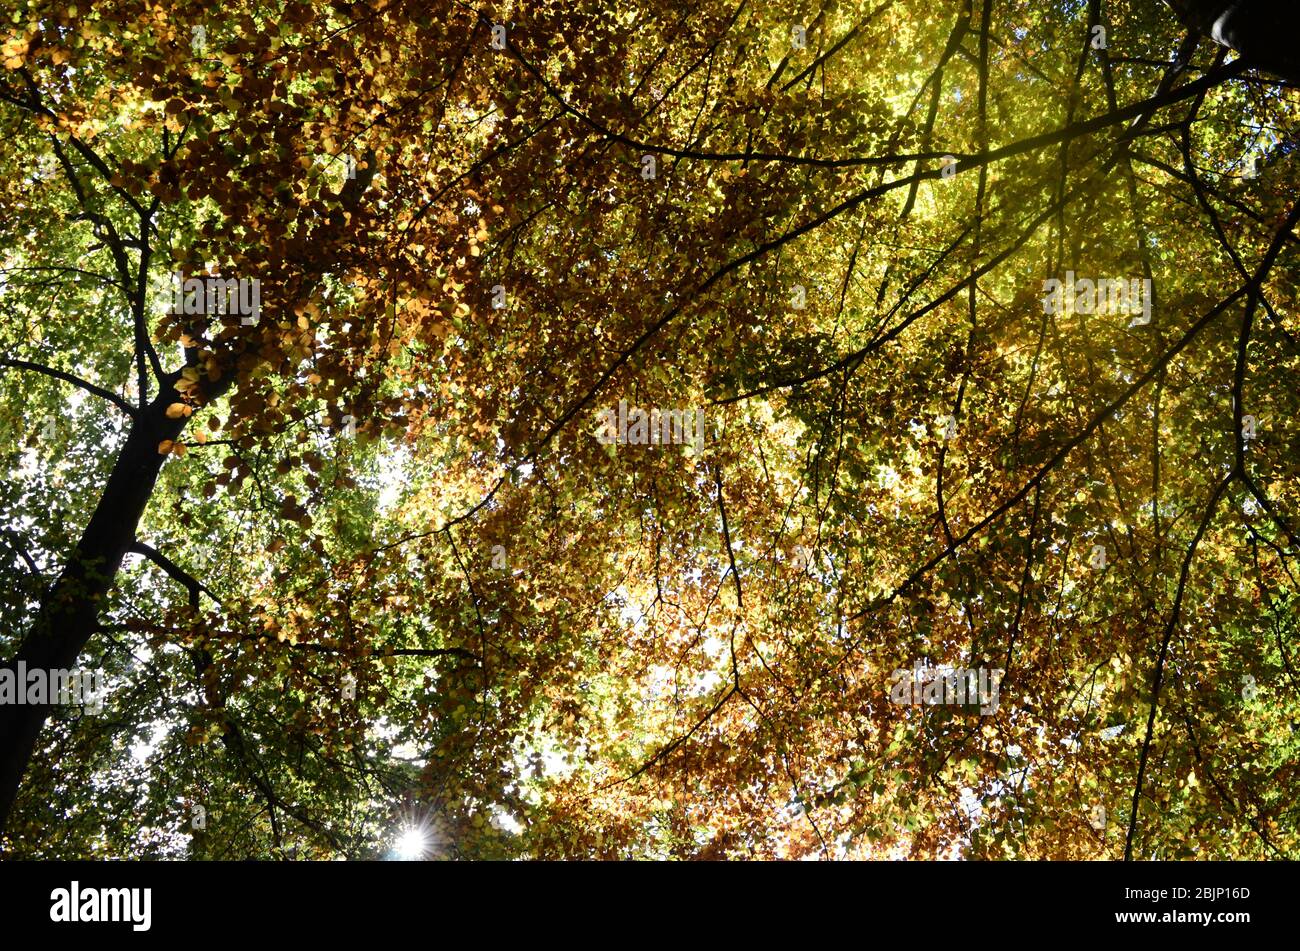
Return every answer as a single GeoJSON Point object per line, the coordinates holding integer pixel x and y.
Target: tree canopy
{"type": "Point", "coordinates": [358, 549]}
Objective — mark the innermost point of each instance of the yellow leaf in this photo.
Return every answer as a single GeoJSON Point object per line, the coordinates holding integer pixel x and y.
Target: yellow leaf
{"type": "Point", "coordinates": [177, 410]}
{"type": "Point", "coordinates": [165, 447]}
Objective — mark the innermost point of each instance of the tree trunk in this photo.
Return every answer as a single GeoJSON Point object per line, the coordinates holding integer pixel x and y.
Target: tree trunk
{"type": "Point", "coordinates": [70, 610]}
{"type": "Point", "coordinates": [1264, 32]}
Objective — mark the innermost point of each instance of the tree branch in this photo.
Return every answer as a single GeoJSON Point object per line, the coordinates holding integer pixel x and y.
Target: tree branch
{"type": "Point", "coordinates": [99, 391]}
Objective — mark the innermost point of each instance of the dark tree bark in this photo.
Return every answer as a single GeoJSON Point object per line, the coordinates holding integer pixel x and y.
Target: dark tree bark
{"type": "Point", "coordinates": [70, 610]}
{"type": "Point", "coordinates": [1266, 33]}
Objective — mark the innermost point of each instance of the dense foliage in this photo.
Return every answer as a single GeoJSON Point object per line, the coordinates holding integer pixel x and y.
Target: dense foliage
{"type": "Point", "coordinates": [391, 574]}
